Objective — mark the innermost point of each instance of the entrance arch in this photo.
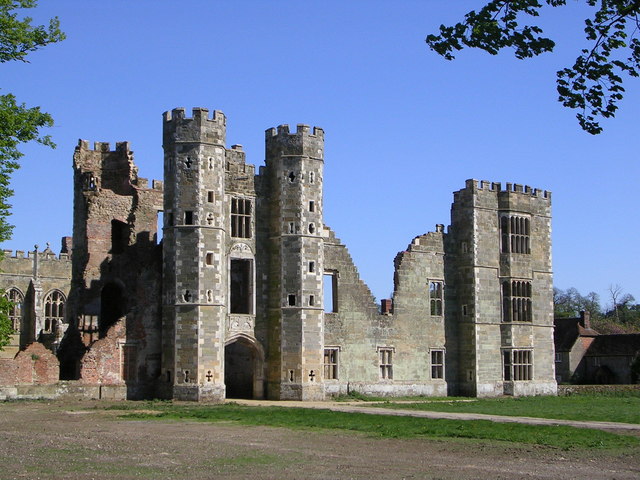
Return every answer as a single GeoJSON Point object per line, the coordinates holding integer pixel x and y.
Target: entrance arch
{"type": "Point", "coordinates": [243, 368]}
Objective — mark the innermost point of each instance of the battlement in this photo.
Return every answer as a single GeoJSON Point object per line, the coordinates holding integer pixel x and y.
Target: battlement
{"type": "Point", "coordinates": [510, 188]}
{"type": "Point", "coordinates": [103, 146]}
{"type": "Point", "coordinates": [198, 114]}
{"type": "Point", "coordinates": [301, 130]}
{"type": "Point", "coordinates": [199, 128]}
{"type": "Point", "coordinates": [304, 142]}
{"type": "Point", "coordinates": [28, 256]}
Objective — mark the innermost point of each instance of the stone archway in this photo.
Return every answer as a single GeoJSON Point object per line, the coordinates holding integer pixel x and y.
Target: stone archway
{"type": "Point", "coordinates": [243, 364]}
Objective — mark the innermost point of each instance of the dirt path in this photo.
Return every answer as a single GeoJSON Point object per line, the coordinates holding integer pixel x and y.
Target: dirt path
{"type": "Point", "coordinates": [359, 407]}
{"type": "Point", "coordinates": [56, 440]}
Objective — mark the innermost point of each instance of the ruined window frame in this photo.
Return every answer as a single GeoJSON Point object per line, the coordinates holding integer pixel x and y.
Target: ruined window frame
{"type": "Point", "coordinates": [331, 361]}
{"type": "Point", "coordinates": [241, 216]}
{"type": "Point", "coordinates": [437, 364]}
{"type": "Point", "coordinates": [517, 364]}
{"type": "Point", "coordinates": [436, 298]}
{"type": "Point", "coordinates": [385, 362]}
{"type": "Point", "coordinates": [54, 309]}
{"type": "Point", "coordinates": [333, 274]}
{"type": "Point", "coordinates": [15, 312]}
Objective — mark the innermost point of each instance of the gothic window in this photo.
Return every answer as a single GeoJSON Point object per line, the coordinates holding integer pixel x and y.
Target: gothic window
{"type": "Point", "coordinates": [331, 363]}
{"type": "Point", "coordinates": [518, 365]}
{"type": "Point", "coordinates": [53, 311]}
{"type": "Point", "coordinates": [435, 298]}
{"type": "Point", "coordinates": [437, 363]}
{"type": "Point", "coordinates": [241, 217]}
{"type": "Point", "coordinates": [515, 234]}
{"type": "Point", "coordinates": [15, 311]}
{"type": "Point", "coordinates": [386, 363]}
{"type": "Point", "coordinates": [516, 301]}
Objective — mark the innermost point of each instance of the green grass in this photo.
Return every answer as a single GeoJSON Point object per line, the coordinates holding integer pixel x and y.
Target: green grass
{"type": "Point", "coordinates": [388, 426]}
{"type": "Point", "coordinates": [604, 408]}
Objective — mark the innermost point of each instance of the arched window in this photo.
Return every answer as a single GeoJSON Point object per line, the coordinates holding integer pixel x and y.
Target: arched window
{"type": "Point", "coordinates": [53, 310]}
{"type": "Point", "coordinates": [15, 311]}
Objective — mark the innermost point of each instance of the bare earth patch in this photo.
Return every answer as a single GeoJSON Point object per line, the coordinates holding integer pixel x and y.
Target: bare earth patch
{"type": "Point", "coordinates": [52, 440]}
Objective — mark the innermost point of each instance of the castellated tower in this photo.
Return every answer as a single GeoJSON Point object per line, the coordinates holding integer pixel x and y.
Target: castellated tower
{"type": "Point", "coordinates": [195, 268]}
{"type": "Point", "coordinates": [294, 165]}
{"type": "Point", "coordinates": [501, 242]}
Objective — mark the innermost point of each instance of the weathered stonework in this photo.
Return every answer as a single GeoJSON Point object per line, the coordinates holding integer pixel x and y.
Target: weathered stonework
{"type": "Point", "coordinates": [231, 302]}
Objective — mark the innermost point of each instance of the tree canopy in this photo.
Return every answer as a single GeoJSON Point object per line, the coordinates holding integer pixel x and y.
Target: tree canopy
{"type": "Point", "coordinates": [593, 85]}
{"type": "Point", "coordinates": [18, 123]}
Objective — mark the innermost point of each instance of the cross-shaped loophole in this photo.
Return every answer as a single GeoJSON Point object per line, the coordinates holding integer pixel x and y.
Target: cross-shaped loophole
{"type": "Point", "coordinates": [188, 162]}
{"type": "Point", "coordinates": [312, 376]}
{"type": "Point", "coordinates": [209, 376]}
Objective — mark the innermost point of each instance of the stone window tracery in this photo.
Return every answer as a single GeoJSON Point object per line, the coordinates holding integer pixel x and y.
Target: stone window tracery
{"type": "Point", "coordinates": [331, 363]}
{"type": "Point", "coordinates": [437, 363]}
{"type": "Point", "coordinates": [518, 365]}
{"type": "Point", "coordinates": [53, 310]}
{"type": "Point", "coordinates": [515, 234]}
{"type": "Point", "coordinates": [386, 363]}
{"type": "Point", "coordinates": [516, 301]}
{"type": "Point", "coordinates": [15, 311]}
{"type": "Point", "coordinates": [435, 298]}
{"type": "Point", "coordinates": [241, 217]}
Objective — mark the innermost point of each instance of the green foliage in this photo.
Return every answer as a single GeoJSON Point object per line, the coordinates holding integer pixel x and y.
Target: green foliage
{"type": "Point", "coordinates": [593, 85]}
{"type": "Point", "coordinates": [385, 426]}
{"type": "Point", "coordinates": [569, 303]}
{"type": "Point", "coordinates": [18, 123]}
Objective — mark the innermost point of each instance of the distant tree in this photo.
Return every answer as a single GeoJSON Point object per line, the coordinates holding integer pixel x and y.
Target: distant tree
{"type": "Point", "coordinates": [569, 303]}
{"type": "Point", "coordinates": [18, 123]}
{"type": "Point", "coordinates": [593, 85]}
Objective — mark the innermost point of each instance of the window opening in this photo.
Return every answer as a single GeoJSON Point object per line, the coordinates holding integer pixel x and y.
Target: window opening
{"type": "Point", "coordinates": [515, 234]}
{"type": "Point", "coordinates": [518, 365]}
{"type": "Point", "coordinates": [516, 301]}
{"type": "Point", "coordinates": [210, 196]}
{"type": "Point", "coordinates": [312, 206]}
{"type": "Point", "coordinates": [311, 177]}
{"type": "Point", "coordinates": [292, 300]}
{"type": "Point", "coordinates": [111, 307]}
{"type": "Point", "coordinates": [53, 311]}
{"type": "Point", "coordinates": [209, 258]}
{"type": "Point", "coordinates": [241, 217]}
{"type": "Point", "coordinates": [291, 227]}
{"type": "Point", "coordinates": [312, 300]}
{"type": "Point", "coordinates": [119, 236]}
{"type": "Point", "coordinates": [241, 287]}
{"type": "Point", "coordinates": [437, 363]}
{"type": "Point", "coordinates": [386, 363]}
{"type": "Point", "coordinates": [330, 292]}
{"type": "Point", "coordinates": [312, 228]}
{"type": "Point", "coordinates": [312, 267]}
{"type": "Point", "coordinates": [188, 217]}
{"type": "Point", "coordinates": [331, 363]}
{"type": "Point", "coordinates": [292, 177]}
{"type": "Point", "coordinates": [15, 310]}
{"type": "Point", "coordinates": [435, 297]}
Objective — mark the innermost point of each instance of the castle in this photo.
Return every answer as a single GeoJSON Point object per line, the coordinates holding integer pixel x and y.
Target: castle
{"type": "Point", "coordinates": [233, 301]}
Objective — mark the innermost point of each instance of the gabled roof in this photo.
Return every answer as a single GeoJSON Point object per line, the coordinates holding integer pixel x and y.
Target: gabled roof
{"type": "Point", "coordinates": [620, 344]}
{"type": "Point", "coordinates": [567, 331]}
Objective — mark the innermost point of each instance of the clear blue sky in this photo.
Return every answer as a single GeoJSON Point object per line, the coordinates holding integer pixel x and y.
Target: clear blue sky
{"type": "Point", "coordinates": [404, 128]}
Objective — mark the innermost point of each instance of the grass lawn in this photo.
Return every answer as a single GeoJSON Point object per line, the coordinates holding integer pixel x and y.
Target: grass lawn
{"type": "Point", "coordinates": [384, 426]}
{"type": "Point", "coordinates": [604, 408]}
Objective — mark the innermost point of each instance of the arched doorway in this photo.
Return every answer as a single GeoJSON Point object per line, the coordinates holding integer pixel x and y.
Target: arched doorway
{"type": "Point", "coordinates": [112, 307]}
{"type": "Point", "coordinates": [243, 369]}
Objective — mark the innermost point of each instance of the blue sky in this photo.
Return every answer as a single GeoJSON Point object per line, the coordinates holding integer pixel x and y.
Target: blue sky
{"type": "Point", "coordinates": [403, 127]}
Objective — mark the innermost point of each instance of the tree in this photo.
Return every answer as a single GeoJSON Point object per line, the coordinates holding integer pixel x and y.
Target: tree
{"type": "Point", "coordinates": [18, 123]}
{"type": "Point", "coordinates": [593, 85]}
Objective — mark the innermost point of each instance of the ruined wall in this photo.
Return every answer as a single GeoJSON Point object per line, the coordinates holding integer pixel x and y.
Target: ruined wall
{"type": "Point", "coordinates": [116, 262]}
{"type": "Point", "coordinates": [35, 365]}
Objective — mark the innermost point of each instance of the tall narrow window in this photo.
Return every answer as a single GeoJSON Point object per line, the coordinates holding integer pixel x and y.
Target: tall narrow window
{"type": "Point", "coordinates": [188, 217]}
{"type": "Point", "coordinates": [312, 206]}
{"type": "Point", "coordinates": [241, 217]}
{"type": "Point", "coordinates": [119, 236]}
{"type": "Point", "coordinates": [516, 301]}
{"type": "Point", "coordinates": [518, 365]}
{"type": "Point", "coordinates": [435, 298]}
{"type": "Point", "coordinates": [331, 363]}
{"type": "Point", "coordinates": [53, 311]}
{"type": "Point", "coordinates": [515, 234]}
{"type": "Point", "coordinates": [241, 300]}
{"type": "Point", "coordinates": [15, 311]}
{"type": "Point", "coordinates": [437, 363]}
{"type": "Point", "coordinates": [386, 363]}
{"type": "Point", "coordinates": [330, 292]}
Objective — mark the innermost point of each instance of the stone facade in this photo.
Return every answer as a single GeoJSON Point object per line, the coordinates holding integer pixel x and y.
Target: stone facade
{"type": "Point", "coordinates": [232, 302]}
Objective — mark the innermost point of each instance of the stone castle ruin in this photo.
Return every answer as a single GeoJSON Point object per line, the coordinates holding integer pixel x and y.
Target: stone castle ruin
{"type": "Point", "coordinates": [231, 302]}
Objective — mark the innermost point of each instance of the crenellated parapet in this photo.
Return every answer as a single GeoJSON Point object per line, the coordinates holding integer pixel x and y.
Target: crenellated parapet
{"type": "Point", "coordinates": [200, 127]}
{"type": "Point", "coordinates": [305, 142]}
{"type": "Point", "coordinates": [485, 185]}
